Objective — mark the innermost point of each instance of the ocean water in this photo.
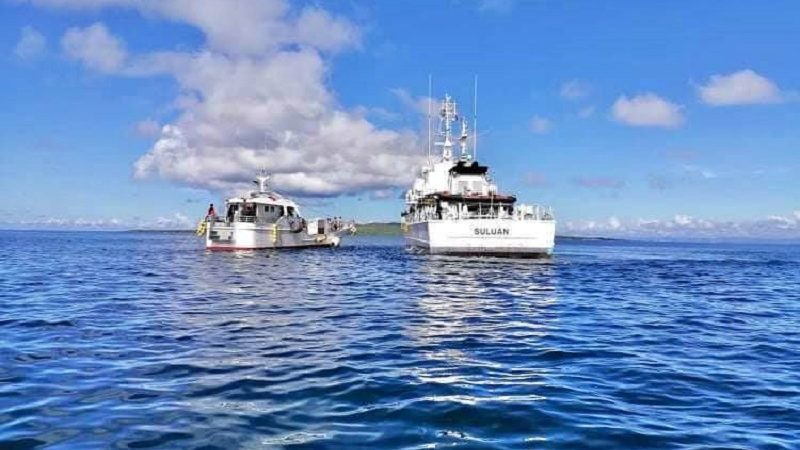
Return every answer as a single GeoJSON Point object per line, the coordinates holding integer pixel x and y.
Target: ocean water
{"type": "Point", "coordinates": [139, 340]}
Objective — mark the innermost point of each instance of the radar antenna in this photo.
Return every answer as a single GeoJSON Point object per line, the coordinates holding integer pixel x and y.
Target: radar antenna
{"type": "Point", "coordinates": [462, 141]}
{"type": "Point", "coordinates": [262, 181]}
{"type": "Point", "coordinates": [447, 115]}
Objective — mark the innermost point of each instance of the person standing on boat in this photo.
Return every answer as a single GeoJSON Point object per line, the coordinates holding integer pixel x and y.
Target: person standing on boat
{"type": "Point", "coordinates": [211, 212]}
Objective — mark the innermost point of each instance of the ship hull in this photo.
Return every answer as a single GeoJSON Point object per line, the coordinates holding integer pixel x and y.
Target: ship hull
{"type": "Point", "coordinates": [244, 236]}
{"type": "Point", "coordinates": [485, 237]}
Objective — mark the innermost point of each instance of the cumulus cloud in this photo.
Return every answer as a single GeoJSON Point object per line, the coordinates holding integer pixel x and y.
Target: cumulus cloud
{"type": "Point", "coordinates": [240, 27]}
{"type": "Point", "coordinates": [540, 125]}
{"type": "Point", "coordinates": [574, 90]}
{"type": "Point", "coordinates": [95, 47]}
{"type": "Point", "coordinates": [254, 96]}
{"type": "Point", "coordinates": [744, 87]}
{"type": "Point", "coordinates": [383, 194]}
{"type": "Point", "coordinates": [148, 128]}
{"type": "Point", "coordinates": [647, 110]}
{"type": "Point", "coordinates": [685, 226]}
{"type": "Point", "coordinates": [317, 28]}
{"type": "Point", "coordinates": [416, 104]}
{"type": "Point", "coordinates": [31, 44]}
{"type": "Point", "coordinates": [379, 113]}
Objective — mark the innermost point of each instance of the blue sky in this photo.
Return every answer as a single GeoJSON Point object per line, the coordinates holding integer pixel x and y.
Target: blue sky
{"type": "Point", "coordinates": [629, 118]}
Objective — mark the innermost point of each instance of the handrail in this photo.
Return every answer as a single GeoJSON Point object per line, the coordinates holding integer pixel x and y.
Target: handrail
{"type": "Point", "coordinates": [331, 223]}
{"type": "Point", "coordinates": [543, 216]}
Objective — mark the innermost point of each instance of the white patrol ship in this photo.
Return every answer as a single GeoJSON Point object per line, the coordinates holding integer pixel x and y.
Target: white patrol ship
{"type": "Point", "coordinates": [454, 207]}
{"type": "Point", "coordinates": [265, 219]}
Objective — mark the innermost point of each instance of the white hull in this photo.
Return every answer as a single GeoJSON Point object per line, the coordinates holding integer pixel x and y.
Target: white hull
{"type": "Point", "coordinates": [495, 237]}
{"type": "Point", "coordinates": [250, 236]}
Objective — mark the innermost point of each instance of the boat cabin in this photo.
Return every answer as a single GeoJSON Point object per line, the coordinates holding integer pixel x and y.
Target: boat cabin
{"type": "Point", "coordinates": [259, 210]}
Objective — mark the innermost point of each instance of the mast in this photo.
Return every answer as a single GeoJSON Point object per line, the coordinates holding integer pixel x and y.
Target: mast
{"type": "Point", "coordinates": [475, 122]}
{"type": "Point", "coordinates": [262, 181]}
{"type": "Point", "coordinates": [429, 120]}
{"type": "Point", "coordinates": [447, 115]}
{"type": "Point", "coordinates": [462, 141]}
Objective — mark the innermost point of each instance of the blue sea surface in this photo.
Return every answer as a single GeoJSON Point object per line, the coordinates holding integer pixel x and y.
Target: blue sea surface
{"type": "Point", "coordinates": [140, 340]}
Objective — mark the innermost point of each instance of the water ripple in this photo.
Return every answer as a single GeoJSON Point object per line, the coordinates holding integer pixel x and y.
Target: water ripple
{"type": "Point", "coordinates": [143, 340]}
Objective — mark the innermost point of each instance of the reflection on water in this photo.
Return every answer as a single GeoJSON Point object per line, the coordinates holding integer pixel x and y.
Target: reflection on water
{"type": "Point", "coordinates": [126, 340]}
{"type": "Point", "coordinates": [475, 299]}
{"type": "Point", "coordinates": [471, 319]}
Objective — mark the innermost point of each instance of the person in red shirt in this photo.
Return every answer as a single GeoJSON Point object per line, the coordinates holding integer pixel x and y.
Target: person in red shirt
{"type": "Point", "coordinates": [211, 212]}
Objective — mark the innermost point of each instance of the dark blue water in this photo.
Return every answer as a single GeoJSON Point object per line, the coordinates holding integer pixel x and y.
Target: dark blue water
{"type": "Point", "coordinates": [137, 340]}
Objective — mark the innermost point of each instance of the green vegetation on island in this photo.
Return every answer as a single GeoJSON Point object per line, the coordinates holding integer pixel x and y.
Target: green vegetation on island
{"type": "Point", "coordinates": [379, 229]}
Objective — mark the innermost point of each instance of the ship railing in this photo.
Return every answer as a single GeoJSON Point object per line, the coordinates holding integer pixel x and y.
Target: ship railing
{"type": "Point", "coordinates": [534, 212]}
{"type": "Point", "coordinates": [332, 224]}
{"type": "Point", "coordinates": [243, 219]}
{"type": "Point", "coordinates": [523, 212]}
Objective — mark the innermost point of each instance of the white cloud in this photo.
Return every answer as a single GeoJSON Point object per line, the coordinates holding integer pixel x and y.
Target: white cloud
{"type": "Point", "coordinates": [81, 4]}
{"type": "Point", "coordinates": [739, 88]}
{"type": "Point", "coordinates": [317, 28]}
{"type": "Point", "coordinates": [175, 222]}
{"type": "Point", "coordinates": [383, 194]}
{"type": "Point", "coordinates": [240, 27]}
{"type": "Point", "coordinates": [95, 47]}
{"type": "Point", "coordinates": [379, 113]}
{"type": "Point", "coordinates": [688, 227]}
{"type": "Point", "coordinates": [31, 44]}
{"type": "Point", "coordinates": [647, 110]}
{"type": "Point", "coordinates": [574, 90]}
{"type": "Point", "coordinates": [255, 95]}
{"type": "Point", "coordinates": [541, 125]}
{"type": "Point", "coordinates": [416, 104]}
{"type": "Point", "coordinates": [148, 128]}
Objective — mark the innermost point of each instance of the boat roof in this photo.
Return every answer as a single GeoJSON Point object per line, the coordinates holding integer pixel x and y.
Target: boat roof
{"type": "Point", "coordinates": [264, 195]}
{"type": "Point", "coordinates": [470, 198]}
{"type": "Point", "coordinates": [263, 198]}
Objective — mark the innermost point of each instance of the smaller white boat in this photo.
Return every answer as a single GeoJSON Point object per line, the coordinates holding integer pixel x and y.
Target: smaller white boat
{"type": "Point", "coordinates": [264, 219]}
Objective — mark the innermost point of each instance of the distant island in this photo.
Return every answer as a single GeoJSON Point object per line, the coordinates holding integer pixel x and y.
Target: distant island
{"type": "Point", "coordinates": [379, 229]}
{"type": "Point", "coordinates": [394, 229]}
{"type": "Point", "coordinates": [390, 229]}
